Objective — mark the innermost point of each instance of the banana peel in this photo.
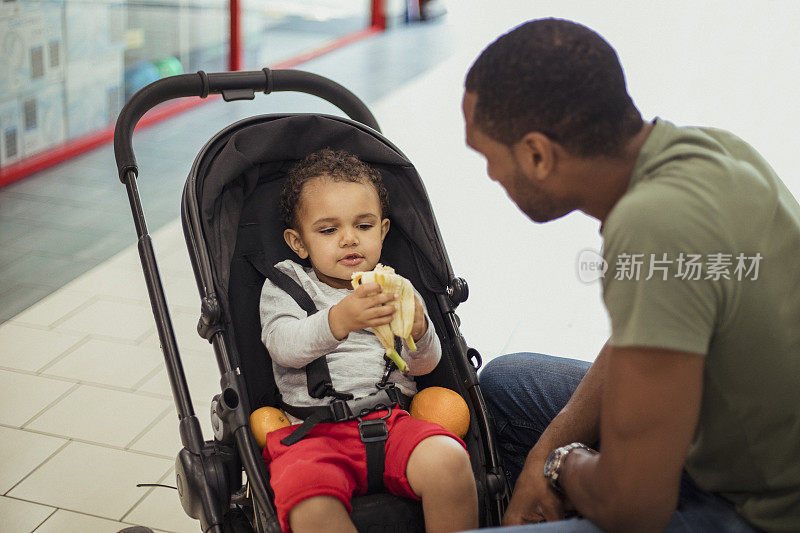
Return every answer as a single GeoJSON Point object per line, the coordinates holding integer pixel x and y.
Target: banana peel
{"type": "Point", "coordinates": [403, 319]}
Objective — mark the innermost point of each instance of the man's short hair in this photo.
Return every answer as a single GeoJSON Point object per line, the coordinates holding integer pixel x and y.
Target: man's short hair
{"type": "Point", "coordinates": [556, 77]}
{"type": "Point", "coordinates": [337, 165]}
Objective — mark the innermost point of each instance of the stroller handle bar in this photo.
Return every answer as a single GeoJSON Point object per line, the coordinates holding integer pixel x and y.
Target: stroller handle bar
{"type": "Point", "coordinates": [232, 86]}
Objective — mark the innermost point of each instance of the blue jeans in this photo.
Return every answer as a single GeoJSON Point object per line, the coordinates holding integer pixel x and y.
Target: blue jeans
{"type": "Point", "coordinates": [525, 391]}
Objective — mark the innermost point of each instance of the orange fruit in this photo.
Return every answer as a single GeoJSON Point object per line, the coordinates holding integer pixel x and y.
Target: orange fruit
{"type": "Point", "coordinates": [441, 406]}
{"type": "Point", "coordinates": [266, 419]}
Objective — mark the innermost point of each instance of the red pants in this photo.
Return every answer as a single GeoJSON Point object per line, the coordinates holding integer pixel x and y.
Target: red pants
{"type": "Point", "coordinates": [331, 461]}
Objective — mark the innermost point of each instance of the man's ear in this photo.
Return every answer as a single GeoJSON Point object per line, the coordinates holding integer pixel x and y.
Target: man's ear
{"type": "Point", "coordinates": [537, 155]}
{"type": "Point", "coordinates": [295, 242]}
{"type": "Point", "coordinates": [384, 228]}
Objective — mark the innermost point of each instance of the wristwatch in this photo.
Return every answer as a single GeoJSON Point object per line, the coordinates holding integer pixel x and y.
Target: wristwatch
{"type": "Point", "coordinates": [552, 467]}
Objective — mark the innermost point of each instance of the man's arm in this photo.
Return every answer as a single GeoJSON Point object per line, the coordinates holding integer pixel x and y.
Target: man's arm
{"type": "Point", "coordinates": [650, 408]}
{"type": "Point", "coordinates": [533, 499]}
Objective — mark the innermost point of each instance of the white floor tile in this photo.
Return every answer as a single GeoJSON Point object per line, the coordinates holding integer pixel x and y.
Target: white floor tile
{"type": "Point", "coordinates": [164, 438]}
{"type": "Point", "coordinates": [171, 252]}
{"type": "Point", "coordinates": [53, 308]}
{"type": "Point", "coordinates": [109, 363]}
{"type": "Point", "coordinates": [123, 281]}
{"type": "Point", "coordinates": [181, 291]}
{"type": "Point", "coordinates": [68, 522]}
{"type": "Point", "coordinates": [22, 451]}
{"type": "Point", "coordinates": [162, 509]}
{"type": "Point", "coordinates": [21, 517]}
{"type": "Point", "coordinates": [29, 348]}
{"type": "Point", "coordinates": [202, 376]}
{"type": "Point", "coordinates": [92, 479]}
{"type": "Point", "coordinates": [129, 257]}
{"type": "Point", "coordinates": [185, 324]}
{"type": "Point", "coordinates": [107, 318]}
{"type": "Point", "coordinates": [101, 416]}
{"type": "Point", "coordinates": [176, 261]}
{"type": "Point", "coordinates": [166, 236]}
{"type": "Point", "coordinates": [23, 395]}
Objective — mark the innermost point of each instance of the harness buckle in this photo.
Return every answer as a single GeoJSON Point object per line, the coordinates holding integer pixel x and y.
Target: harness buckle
{"type": "Point", "coordinates": [375, 429]}
{"type": "Point", "coordinates": [392, 392]}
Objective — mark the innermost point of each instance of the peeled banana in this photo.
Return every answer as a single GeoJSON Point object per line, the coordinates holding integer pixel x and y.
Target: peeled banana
{"type": "Point", "coordinates": [403, 319]}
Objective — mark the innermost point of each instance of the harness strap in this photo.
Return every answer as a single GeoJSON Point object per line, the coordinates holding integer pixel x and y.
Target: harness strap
{"type": "Point", "coordinates": [373, 434]}
{"type": "Point", "coordinates": [291, 287]}
{"type": "Point", "coordinates": [304, 428]}
{"type": "Point", "coordinates": [342, 410]}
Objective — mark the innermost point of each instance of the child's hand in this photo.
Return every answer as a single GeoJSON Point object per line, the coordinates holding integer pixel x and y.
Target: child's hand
{"type": "Point", "coordinates": [362, 309]}
{"type": "Point", "coordinates": [420, 321]}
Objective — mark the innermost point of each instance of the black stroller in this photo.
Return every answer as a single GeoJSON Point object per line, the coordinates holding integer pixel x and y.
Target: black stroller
{"type": "Point", "coordinates": [233, 232]}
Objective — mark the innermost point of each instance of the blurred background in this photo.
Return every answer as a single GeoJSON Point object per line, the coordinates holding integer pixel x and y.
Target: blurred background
{"type": "Point", "coordinates": [82, 379]}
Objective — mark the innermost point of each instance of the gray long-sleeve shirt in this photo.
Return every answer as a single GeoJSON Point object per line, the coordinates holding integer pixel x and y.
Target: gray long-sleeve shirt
{"type": "Point", "coordinates": [356, 363]}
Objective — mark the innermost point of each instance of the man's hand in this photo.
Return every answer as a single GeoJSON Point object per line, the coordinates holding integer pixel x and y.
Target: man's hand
{"type": "Point", "coordinates": [364, 308]}
{"type": "Point", "coordinates": [579, 421]}
{"type": "Point", "coordinates": [420, 321]}
{"type": "Point", "coordinates": [533, 499]}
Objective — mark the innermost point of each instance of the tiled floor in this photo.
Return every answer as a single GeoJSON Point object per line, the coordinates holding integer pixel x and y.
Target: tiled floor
{"type": "Point", "coordinates": [85, 408]}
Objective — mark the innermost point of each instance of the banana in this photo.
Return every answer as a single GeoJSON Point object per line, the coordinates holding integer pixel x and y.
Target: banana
{"type": "Point", "coordinates": [406, 321]}
{"type": "Point", "coordinates": [403, 319]}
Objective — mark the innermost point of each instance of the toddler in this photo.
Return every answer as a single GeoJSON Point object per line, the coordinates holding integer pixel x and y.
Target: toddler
{"type": "Point", "coordinates": [335, 210]}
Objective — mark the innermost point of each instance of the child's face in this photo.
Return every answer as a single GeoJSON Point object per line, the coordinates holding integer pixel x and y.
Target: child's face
{"type": "Point", "coordinates": [340, 229]}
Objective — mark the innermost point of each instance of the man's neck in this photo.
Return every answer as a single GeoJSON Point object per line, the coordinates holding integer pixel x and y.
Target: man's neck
{"type": "Point", "coordinates": [610, 176]}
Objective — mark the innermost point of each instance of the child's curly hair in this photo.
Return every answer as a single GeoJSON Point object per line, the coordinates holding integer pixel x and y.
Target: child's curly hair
{"type": "Point", "coordinates": [337, 165]}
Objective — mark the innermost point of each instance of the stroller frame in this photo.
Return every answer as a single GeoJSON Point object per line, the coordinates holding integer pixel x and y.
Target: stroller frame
{"type": "Point", "coordinates": [209, 473]}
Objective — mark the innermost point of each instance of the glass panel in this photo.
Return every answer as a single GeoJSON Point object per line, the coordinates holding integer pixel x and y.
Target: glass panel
{"type": "Point", "coordinates": [168, 37]}
{"type": "Point", "coordinates": [277, 30]}
{"type": "Point", "coordinates": [32, 89]}
{"type": "Point", "coordinates": [68, 66]}
{"type": "Point", "coordinates": [94, 39]}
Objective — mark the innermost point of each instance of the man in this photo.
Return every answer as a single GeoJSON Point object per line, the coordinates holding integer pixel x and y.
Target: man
{"type": "Point", "coordinates": [694, 401]}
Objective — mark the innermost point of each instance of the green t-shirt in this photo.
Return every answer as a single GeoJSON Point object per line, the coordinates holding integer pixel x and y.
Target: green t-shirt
{"type": "Point", "coordinates": [718, 235]}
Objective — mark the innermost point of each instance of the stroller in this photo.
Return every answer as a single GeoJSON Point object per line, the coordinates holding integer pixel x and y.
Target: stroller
{"type": "Point", "coordinates": [233, 231]}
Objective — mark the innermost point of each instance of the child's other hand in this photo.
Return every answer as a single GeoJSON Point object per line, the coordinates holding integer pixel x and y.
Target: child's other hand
{"type": "Point", "coordinates": [420, 321]}
{"type": "Point", "coordinates": [362, 309]}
